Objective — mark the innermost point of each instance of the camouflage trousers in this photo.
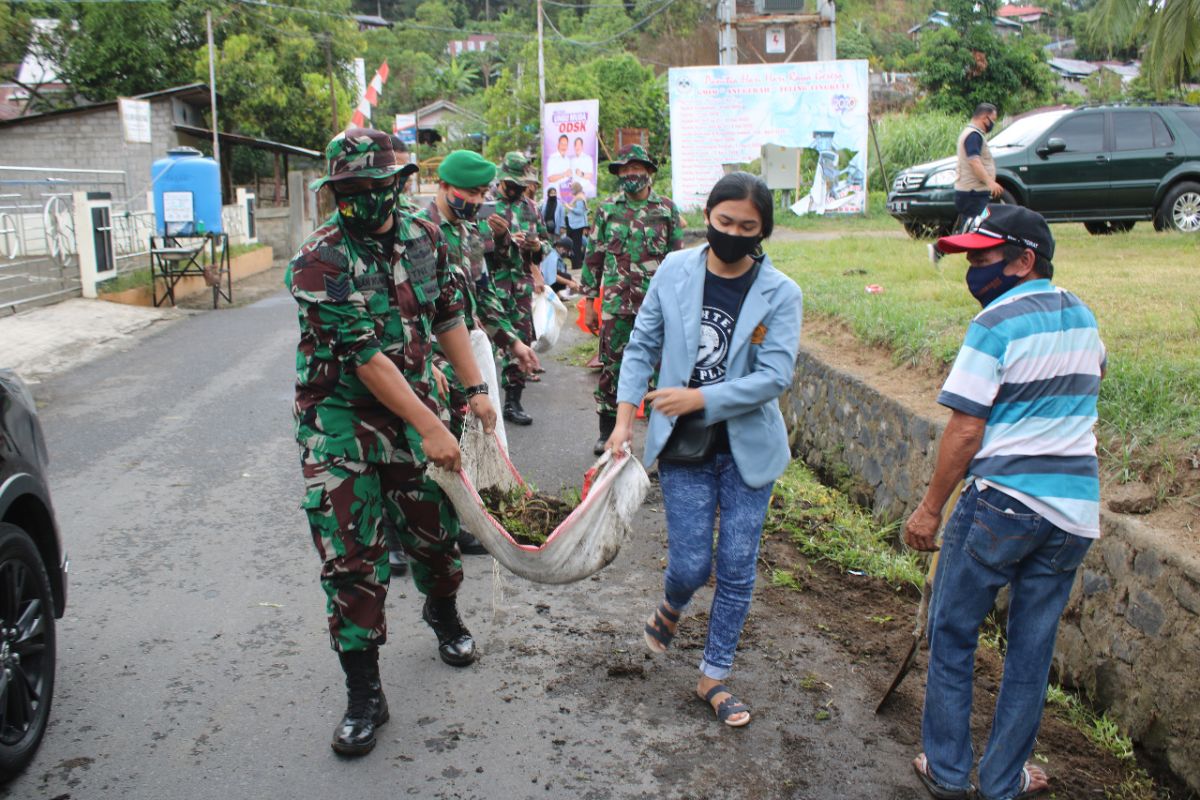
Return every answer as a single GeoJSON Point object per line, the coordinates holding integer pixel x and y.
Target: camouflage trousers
{"type": "Point", "coordinates": [519, 307]}
{"type": "Point", "coordinates": [345, 502]}
{"type": "Point", "coordinates": [614, 335]}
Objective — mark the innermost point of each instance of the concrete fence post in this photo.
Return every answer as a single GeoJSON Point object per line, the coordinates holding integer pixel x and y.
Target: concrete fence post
{"type": "Point", "coordinates": [92, 215]}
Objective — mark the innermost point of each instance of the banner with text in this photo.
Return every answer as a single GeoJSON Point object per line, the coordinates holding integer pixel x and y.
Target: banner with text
{"type": "Point", "coordinates": [569, 135]}
{"type": "Point", "coordinates": [722, 116]}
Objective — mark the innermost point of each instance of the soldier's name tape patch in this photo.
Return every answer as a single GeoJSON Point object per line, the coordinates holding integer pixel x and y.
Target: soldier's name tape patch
{"type": "Point", "coordinates": [374, 282]}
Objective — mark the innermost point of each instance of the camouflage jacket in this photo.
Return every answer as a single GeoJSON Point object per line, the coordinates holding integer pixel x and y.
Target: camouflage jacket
{"type": "Point", "coordinates": [355, 301]}
{"type": "Point", "coordinates": [629, 239]}
{"type": "Point", "coordinates": [521, 216]}
{"type": "Point", "coordinates": [466, 243]}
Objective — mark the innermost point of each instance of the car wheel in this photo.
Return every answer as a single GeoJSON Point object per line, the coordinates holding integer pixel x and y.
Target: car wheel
{"type": "Point", "coordinates": [1107, 227]}
{"type": "Point", "coordinates": [26, 650]}
{"type": "Point", "coordinates": [1180, 209]}
{"type": "Point", "coordinates": [926, 230]}
{"type": "Point", "coordinates": [1007, 198]}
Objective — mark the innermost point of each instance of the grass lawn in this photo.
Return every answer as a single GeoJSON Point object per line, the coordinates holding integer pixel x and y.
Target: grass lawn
{"type": "Point", "coordinates": [1142, 287]}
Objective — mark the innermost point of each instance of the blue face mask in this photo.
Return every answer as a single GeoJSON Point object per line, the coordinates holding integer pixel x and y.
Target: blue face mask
{"type": "Point", "coordinates": [989, 282]}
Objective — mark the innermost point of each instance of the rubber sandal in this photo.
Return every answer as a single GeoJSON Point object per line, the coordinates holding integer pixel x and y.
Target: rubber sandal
{"type": "Point", "coordinates": [728, 707]}
{"type": "Point", "coordinates": [935, 789]}
{"type": "Point", "coordinates": [1026, 781]}
{"type": "Point", "coordinates": [658, 636]}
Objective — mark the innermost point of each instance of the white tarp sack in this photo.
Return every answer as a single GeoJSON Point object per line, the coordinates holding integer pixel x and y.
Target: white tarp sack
{"type": "Point", "coordinates": [485, 357]}
{"type": "Point", "coordinates": [586, 541]}
{"type": "Point", "coordinates": [549, 316]}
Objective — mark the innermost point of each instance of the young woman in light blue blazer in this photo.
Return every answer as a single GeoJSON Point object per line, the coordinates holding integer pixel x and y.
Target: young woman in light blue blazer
{"type": "Point", "coordinates": [722, 326]}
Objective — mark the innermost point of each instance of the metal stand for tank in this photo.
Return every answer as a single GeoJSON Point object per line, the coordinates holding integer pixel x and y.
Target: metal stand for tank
{"type": "Point", "coordinates": [173, 258]}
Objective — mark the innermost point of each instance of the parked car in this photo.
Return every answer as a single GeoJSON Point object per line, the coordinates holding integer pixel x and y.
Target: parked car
{"type": "Point", "coordinates": [1105, 166]}
{"type": "Point", "coordinates": [33, 579]}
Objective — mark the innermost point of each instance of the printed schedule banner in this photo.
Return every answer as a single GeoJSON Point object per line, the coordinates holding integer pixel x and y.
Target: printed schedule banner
{"type": "Point", "coordinates": [724, 115]}
{"type": "Point", "coordinates": [569, 134]}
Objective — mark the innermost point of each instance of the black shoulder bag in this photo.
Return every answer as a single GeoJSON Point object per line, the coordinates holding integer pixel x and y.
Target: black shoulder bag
{"type": "Point", "coordinates": [693, 441]}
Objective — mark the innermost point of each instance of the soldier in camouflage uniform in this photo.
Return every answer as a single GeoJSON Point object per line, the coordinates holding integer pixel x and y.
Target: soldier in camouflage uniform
{"type": "Point", "coordinates": [464, 178]}
{"type": "Point", "coordinates": [520, 247]}
{"type": "Point", "coordinates": [632, 232]}
{"type": "Point", "coordinates": [374, 290]}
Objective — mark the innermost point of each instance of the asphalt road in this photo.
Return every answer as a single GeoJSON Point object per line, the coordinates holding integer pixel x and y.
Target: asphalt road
{"type": "Point", "coordinates": [194, 662]}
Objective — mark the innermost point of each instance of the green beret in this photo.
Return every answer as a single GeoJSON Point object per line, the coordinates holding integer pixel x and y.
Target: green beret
{"type": "Point", "coordinates": [466, 169]}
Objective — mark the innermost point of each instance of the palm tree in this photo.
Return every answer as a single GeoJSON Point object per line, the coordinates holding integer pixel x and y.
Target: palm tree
{"type": "Point", "coordinates": [1169, 28]}
{"type": "Point", "coordinates": [457, 79]}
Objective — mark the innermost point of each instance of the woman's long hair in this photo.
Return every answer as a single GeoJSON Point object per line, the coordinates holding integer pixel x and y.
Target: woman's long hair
{"type": "Point", "coordinates": [744, 186]}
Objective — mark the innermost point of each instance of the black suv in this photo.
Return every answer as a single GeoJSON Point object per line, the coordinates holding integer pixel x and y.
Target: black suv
{"type": "Point", "coordinates": [1104, 166]}
{"type": "Point", "coordinates": [33, 579]}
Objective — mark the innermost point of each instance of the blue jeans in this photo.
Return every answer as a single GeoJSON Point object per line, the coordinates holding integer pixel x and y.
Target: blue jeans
{"type": "Point", "coordinates": [992, 540]}
{"type": "Point", "coordinates": [692, 494]}
{"type": "Point", "coordinates": [969, 205]}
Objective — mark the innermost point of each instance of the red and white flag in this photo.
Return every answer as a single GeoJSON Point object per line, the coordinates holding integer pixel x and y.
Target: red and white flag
{"type": "Point", "coordinates": [362, 114]}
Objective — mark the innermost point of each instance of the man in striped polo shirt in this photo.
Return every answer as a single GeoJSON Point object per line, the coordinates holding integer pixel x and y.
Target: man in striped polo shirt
{"type": "Point", "coordinates": [1022, 394]}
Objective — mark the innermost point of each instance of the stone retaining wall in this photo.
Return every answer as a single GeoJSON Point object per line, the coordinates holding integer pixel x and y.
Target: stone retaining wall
{"type": "Point", "coordinates": [1131, 633]}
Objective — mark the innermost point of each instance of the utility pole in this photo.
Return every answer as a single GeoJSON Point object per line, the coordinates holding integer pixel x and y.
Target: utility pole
{"type": "Point", "coordinates": [332, 93]}
{"type": "Point", "coordinates": [727, 35]}
{"type": "Point", "coordinates": [541, 68]}
{"type": "Point", "coordinates": [827, 31]}
{"type": "Point", "coordinates": [212, 89]}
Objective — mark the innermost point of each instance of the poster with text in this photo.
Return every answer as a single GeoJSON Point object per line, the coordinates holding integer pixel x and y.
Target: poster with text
{"type": "Point", "coordinates": [569, 134]}
{"type": "Point", "coordinates": [724, 115]}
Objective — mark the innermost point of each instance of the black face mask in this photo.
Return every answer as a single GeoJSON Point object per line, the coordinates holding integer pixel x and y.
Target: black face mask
{"type": "Point", "coordinates": [729, 248]}
{"type": "Point", "coordinates": [462, 209]}
{"type": "Point", "coordinates": [987, 126]}
{"type": "Point", "coordinates": [512, 193]}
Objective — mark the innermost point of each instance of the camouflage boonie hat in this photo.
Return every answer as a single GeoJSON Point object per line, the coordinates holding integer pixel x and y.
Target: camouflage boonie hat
{"type": "Point", "coordinates": [632, 152]}
{"type": "Point", "coordinates": [359, 153]}
{"type": "Point", "coordinates": [513, 167]}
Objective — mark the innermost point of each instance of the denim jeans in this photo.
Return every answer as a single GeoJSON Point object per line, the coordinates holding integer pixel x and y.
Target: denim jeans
{"type": "Point", "coordinates": [992, 540]}
{"type": "Point", "coordinates": [692, 494]}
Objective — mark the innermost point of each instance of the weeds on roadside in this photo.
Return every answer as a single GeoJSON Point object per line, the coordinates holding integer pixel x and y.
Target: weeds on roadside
{"type": "Point", "coordinates": [825, 524]}
{"type": "Point", "coordinates": [578, 355]}
{"type": "Point", "coordinates": [1105, 734]}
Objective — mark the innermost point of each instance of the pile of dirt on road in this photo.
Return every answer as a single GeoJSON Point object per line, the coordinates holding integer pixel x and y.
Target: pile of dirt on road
{"type": "Point", "coordinates": [528, 518]}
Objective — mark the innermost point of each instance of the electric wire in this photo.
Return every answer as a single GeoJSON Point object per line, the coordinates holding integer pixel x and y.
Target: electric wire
{"type": "Point", "coordinates": [600, 43]}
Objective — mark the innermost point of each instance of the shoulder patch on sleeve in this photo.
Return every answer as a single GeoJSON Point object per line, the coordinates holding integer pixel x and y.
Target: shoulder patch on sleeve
{"type": "Point", "coordinates": [332, 256]}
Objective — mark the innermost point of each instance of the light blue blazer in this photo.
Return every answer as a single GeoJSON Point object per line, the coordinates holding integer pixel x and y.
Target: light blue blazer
{"type": "Point", "coordinates": [667, 333]}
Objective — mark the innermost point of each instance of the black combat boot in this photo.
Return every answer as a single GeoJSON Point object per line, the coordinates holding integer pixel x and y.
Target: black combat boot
{"type": "Point", "coordinates": [468, 545]}
{"type": "Point", "coordinates": [607, 423]}
{"type": "Point", "coordinates": [366, 707]}
{"type": "Point", "coordinates": [512, 407]}
{"type": "Point", "coordinates": [455, 645]}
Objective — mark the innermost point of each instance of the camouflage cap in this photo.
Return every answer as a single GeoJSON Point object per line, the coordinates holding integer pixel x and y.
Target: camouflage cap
{"type": "Point", "coordinates": [630, 153]}
{"type": "Point", "coordinates": [359, 153]}
{"type": "Point", "coordinates": [513, 167]}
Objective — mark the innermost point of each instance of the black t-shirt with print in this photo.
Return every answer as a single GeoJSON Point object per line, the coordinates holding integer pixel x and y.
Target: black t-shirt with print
{"type": "Point", "coordinates": [722, 303]}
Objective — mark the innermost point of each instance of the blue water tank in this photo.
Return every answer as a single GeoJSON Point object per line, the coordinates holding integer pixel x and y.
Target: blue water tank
{"type": "Point", "coordinates": [187, 193]}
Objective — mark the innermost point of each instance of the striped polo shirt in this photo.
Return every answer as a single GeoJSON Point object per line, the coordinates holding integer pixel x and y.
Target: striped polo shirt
{"type": "Point", "coordinates": [1031, 366]}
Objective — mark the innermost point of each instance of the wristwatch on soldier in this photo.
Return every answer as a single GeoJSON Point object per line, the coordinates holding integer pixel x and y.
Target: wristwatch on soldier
{"type": "Point", "coordinates": [479, 388]}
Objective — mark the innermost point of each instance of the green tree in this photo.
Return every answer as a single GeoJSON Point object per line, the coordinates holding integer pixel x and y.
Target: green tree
{"type": "Point", "coordinates": [1104, 86]}
{"type": "Point", "coordinates": [1168, 30]}
{"type": "Point", "coordinates": [853, 43]}
{"type": "Point", "coordinates": [107, 50]}
{"type": "Point", "coordinates": [958, 71]}
{"type": "Point", "coordinates": [456, 79]}
{"type": "Point", "coordinates": [273, 73]}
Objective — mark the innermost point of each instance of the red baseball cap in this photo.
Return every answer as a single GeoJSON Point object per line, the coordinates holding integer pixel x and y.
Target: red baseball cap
{"type": "Point", "coordinates": [1002, 224]}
